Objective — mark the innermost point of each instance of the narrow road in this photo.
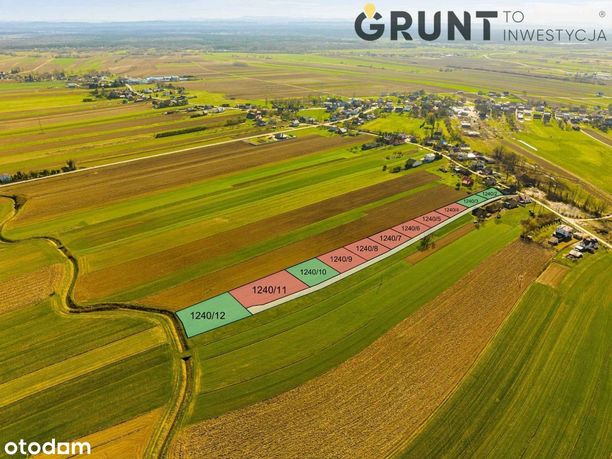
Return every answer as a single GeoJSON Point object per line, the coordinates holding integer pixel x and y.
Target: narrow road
{"type": "Point", "coordinates": [596, 136]}
{"type": "Point", "coordinates": [259, 308]}
{"type": "Point", "coordinates": [166, 153]}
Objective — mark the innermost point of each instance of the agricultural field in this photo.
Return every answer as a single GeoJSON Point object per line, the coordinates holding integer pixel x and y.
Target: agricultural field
{"type": "Point", "coordinates": [295, 199]}
{"type": "Point", "coordinates": [514, 401]}
{"type": "Point", "coordinates": [397, 123]}
{"type": "Point", "coordinates": [416, 373]}
{"type": "Point", "coordinates": [213, 168]}
{"type": "Point", "coordinates": [572, 150]}
{"type": "Point", "coordinates": [416, 285]}
{"type": "Point", "coordinates": [103, 135]}
{"type": "Point", "coordinates": [64, 375]}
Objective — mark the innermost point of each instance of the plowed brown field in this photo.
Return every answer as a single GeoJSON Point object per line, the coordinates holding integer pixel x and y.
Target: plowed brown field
{"type": "Point", "coordinates": [379, 398]}
{"type": "Point", "coordinates": [375, 220]}
{"type": "Point", "coordinates": [30, 288]}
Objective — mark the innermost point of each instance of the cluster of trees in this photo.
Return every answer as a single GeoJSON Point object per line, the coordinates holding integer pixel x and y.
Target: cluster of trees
{"type": "Point", "coordinates": [538, 222]}
{"type": "Point", "coordinates": [235, 121]}
{"type": "Point", "coordinates": [509, 161]}
{"type": "Point", "coordinates": [454, 134]}
{"type": "Point", "coordinates": [561, 191]}
{"type": "Point", "coordinates": [426, 243]}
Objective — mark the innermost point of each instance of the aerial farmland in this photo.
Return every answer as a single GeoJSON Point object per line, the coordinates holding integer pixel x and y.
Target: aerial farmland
{"type": "Point", "coordinates": [302, 248]}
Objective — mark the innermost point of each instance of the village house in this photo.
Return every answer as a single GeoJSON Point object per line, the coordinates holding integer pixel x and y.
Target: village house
{"type": "Point", "coordinates": [563, 232]}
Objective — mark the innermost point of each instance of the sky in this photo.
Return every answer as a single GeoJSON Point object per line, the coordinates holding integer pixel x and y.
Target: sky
{"type": "Point", "coordinates": [538, 11]}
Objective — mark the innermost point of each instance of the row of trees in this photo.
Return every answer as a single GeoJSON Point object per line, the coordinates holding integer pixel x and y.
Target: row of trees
{"type": "Point", "coordinates": [20, 176]}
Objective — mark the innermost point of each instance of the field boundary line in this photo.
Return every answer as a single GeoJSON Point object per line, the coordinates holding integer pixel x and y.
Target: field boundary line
{"type": "Point", "coordinates": [157, 155]}
{"type": "Point", "coordinates": [368, 263]}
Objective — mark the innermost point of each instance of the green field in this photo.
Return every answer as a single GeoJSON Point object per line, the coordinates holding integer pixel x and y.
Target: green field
{"type": "Point", "coordinates": [110, 233]}
{"type": "Point", "coordinates": [543, 387]}
{"type": "Point", "coordinates": [319, 114]}
{"type": "Point", "coordinates": [396, 123]}
{"type": "Point", "coordinates": [572, 150]}
{"type": "Point", "coordinates": [221, 310]}
{"type": "Point", "coordinates": [65, 377]}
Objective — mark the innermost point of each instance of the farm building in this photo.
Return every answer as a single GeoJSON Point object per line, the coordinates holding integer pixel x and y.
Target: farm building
{"type": "Point", "coordinates": [563, 232]}
{"type": "Point", "coordinates": [467, 181]}
{"type": "Point", "coordinates": [511, 203]}
{"type": "Point", "coordinates": [588, 244]}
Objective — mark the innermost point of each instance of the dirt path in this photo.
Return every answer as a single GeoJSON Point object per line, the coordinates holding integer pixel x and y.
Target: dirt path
{"type": "Point", "coordinates": [597, 136]}
{"type": "Point", "coordinates": [373, 402]}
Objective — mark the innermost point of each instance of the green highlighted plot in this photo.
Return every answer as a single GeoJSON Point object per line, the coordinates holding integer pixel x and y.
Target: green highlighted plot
{"type": "Point", "coordinates": [473, 200]}
{"type": "Point", "coordinates": [490, 193]}
{"type": "Point", "coordinates": [312, 272]}
{"type": "Point", "coordinates": [213, 313]}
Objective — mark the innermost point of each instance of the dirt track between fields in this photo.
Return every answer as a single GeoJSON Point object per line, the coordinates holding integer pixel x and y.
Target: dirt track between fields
{"type": "Point", "coordinates": [370, 404]}
{"type": "Point", "coordinates": [598, 136]}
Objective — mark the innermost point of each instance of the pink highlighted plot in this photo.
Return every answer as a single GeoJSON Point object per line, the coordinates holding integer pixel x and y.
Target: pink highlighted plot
{"type": "Point", "coordinates": [367, 248]}
{"type": "Point", "coordinates": [341, 260]}
{"type": "Point", "coordinates": [411, 228]}
{"type": "Point", "coordinates": [268, 289]}
{"type": "Point", "coordinates": [431, 219]}
{"type": "Point", "coordinates": [389, 238]}
{"type": "Point", "coordinates": [451, 209]}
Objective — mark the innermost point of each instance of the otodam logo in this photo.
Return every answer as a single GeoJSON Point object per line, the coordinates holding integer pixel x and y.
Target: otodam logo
{"type": "Point", "coordinates": [400, 22]}
{"type": "Point", "coordinates": [369, 26]}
